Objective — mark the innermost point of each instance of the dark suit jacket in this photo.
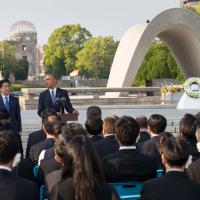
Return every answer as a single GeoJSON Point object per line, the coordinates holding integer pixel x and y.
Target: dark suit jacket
{"type": "Point", "coordinates": [149, 147]}
{"type": "Point", "coordinates": [65, 190]}
{"type": "Point", "coordinates": [34, 138]}
{"type": "Point", "coordinates": [46, 167]}
{"type": "Point", "coordinates": [173, 185]}
{"type": "Point", "coordinates": [49, 153]}
{"type": "Point", "coordinates": [14, 112]}
{"type": "Point", "coordinates": [14, 188]}
{"type": "Point", "coordinates": [194, 172]}
{"type": "Point", "coordinates": [96, 138]}
{"type": "Point", "coordinates": [107, 146]}
{"type": "Point", "coordinates": [37, 148]}
{"type": "Point", "coordinates": [46, 102]}
{"type": "Point", "coordinates": [144, 136]}
{"type": "Point", "coordinates": [129, 165]}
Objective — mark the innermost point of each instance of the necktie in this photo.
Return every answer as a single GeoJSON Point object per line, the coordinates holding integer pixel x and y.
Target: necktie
{"type": "Point", "coordinates": [53, 97]}
{"type": "Point", "coordinates": [7, 105]}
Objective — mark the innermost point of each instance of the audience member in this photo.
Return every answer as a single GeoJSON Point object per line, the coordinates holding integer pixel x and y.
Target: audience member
{"type": "Point", "coordinates": [187, 127]}
{"type": "Point", "coordinates": [128, 163]}
{"type": "Point", "coordinates": [93, 112]}
{"type": "Point", "coordinates": [174, 184]}
{"type": "Point", "coordinates": [193, 169]}
{"type": "Point", "coordinates": [83, 176]}
{"type": "Point", "coordinates": [56, 162]}
{"type": "Point", "coordinates": [45, 144]}
{"type": "Point", "coordinates": [12, 187]}
{"type": "Point", "coordinates": [94, 127]}
{"type": "Point", "coordinates": [156, 125]}
{"type": "Point", "coordinates": [109, 144]}
{"type": "Point", "coordinates": [144, 135]}
{"type": "Point", "coordinates": [38, 136]}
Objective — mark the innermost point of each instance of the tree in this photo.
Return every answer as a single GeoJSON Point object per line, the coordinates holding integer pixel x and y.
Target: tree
{"type": "Point", "coordinates": [95, 59]}
{"type": "Point", "coordinates": [159, 63]}
{"type": "Point", "coordinates": [21, 69]}
{"type": "Point", "coordinates": [62, 47]}
{"type": "Point", "coordinates": [7, 58]}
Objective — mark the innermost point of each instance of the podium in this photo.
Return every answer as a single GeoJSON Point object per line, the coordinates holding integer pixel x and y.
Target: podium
{"type": "Point", "coordinates": [68, 117]}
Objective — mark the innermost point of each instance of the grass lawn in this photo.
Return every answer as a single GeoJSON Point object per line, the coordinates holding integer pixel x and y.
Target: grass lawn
{"type": "Point", "coordinates": [17, 87]}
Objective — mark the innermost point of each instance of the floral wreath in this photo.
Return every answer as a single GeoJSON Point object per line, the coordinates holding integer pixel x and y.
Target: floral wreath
{"type": "Point", "coordinates": [188, 89]}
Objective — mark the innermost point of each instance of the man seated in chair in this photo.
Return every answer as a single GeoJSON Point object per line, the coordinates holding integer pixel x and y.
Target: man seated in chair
{"type": "Point", "coordinates": [174, 184]}
{"type": "Point", "coordinates": [128, 164]}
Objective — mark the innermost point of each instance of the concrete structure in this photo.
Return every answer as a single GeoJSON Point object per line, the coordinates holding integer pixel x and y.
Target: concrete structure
{"type": "Point", "coordinates": [23, 36]}
{"type": "Point", "coordinates": [179, 28]}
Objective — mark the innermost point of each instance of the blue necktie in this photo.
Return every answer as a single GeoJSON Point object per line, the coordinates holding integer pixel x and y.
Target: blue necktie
{"type": "Point", "coordinates": [53, 97]}
{"type": "Point", "coordinates": [7, 104]}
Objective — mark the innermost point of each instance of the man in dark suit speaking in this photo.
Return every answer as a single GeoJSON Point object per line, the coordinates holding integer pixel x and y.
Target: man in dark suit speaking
{"type": "Point", "coordinates": [54, 97]}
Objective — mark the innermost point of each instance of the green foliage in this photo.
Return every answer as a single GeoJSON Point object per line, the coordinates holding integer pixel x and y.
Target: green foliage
{"type": "Point", "coordinates": [62, 47]}
{"type": "Point", "coordinates": [159, 63]}
{"type": "Point", "coordinates": [7, 58]}
{"type": "Point", "coordinates": [21, 69]}
{"type": "Point", "coordinates": [95, 59]}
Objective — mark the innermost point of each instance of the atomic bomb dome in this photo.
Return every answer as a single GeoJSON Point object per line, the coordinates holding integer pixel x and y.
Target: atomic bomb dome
{"type": "Point", "coordinates": [23, 36]}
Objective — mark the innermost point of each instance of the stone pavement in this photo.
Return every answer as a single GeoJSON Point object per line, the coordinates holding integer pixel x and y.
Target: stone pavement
{"type": "Point", "coordinates": [31, 121]}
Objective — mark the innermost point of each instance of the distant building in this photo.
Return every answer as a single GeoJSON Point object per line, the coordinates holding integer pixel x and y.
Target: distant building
{"type": "Point", "coordinates": [191, 3]}
{"type": "Point", "coordinates": [23, 36]}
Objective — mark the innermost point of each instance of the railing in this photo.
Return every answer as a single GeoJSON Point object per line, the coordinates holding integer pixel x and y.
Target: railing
{"type": "Point", "coordinates": [96, 92]}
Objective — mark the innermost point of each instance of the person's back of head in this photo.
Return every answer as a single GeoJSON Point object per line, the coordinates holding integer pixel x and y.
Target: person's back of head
{"type": "Point", "coordinates": [126, 130]}
{"type": "Point", "coordinates": [48, 112]}
{"type": "Point", "coordinates": [8, 147]}
{"type": "Point", "coordinates": [93, 112]}
{"type": "Point", "coordinates": [157, 124]}
{"type": "Point", "coordinates": [142, 121]}
{"type": "Point", "coordinates": [53, 127]}
{"type": "Point", "coordinates": [188, 126]}
{"type": "Point", "coordinates": [83, 164]}
{"type": "Point", "coordinates": [174, 152]}
{"type": "Point", "coordinates": [94, 126]}
{"type": "Point", "coordinates": [109, 125]}
{"type": "Point", "coordinates": [74, 129]}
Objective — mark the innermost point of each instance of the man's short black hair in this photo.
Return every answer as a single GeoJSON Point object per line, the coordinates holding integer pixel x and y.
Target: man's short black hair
{"type": "Point", "coordinates": [176, 151]}
{"type": "Point", "coordinates": [48, 112]}
{"type": "Point", "coordinates": [94, 126]}
{"type": "Point", "coordinates": [126, 130]}
{"type": "Point", "coordinates": [8, 146]}
{"type": "Point", "coordinates": [4, 81]}
{"type": "Point", "coordinates": [157, 123]}
{"type": "Point", "coordinates": [188, 126]}
{"type": "Point", "coordinates": [93, 112]}
{"type": "Point", "coordinates": [142, 121]}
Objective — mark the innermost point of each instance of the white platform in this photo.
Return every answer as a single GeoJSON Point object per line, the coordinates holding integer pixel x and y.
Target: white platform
{"type": "Point", "coordinates": [187, 102]}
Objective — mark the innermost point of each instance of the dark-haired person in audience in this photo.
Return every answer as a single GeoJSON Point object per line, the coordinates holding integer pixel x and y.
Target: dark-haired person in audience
{"type": "Point", "coordinates": [174, 184]}
{"type": "Point", "coordinates": [71, 130]}
{"type": "Point", "coordinates": [193, 169]}
{"type": "Point", "coordinates": [187, 127]}
{"type": "Point", "coordinates": [156, 125]}
{"type": "Point", "coordinates": [11, 104]}
{"type": "Point", "coordinates": [82, 180]}
{"type": "Point", "coordinates": [45, 144]}
{"type": "Point", "coordinates": [109, 144]}
{"type": "Point", "coordinates": [93, 112]}
{"type": "Point", "coordinates": [38, 136]}
{"type": "Point", "coordinates": [54, 163]}
{"type": "Point", "coordinates": [144, 135]}
{"type": "Point", "coordinates": [128, 163]}
{"type": "Point", "coordinates": [94, 127]}
{"type": "Point", "coordinates": [12, 187]}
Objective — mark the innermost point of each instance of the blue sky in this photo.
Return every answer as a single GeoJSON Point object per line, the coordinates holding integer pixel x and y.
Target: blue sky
{"type": "Point", "coordinates": [100, 17]}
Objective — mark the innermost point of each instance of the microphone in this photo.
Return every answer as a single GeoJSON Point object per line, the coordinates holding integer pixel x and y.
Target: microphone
{"type": "Point", "coordinates": [63, 103]}
{"type": "Point", "coordinates": [58, 103]}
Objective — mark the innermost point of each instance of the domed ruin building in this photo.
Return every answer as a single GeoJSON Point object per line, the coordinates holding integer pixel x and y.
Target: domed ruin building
{"type": "Point", "coordinates": [23, 36]}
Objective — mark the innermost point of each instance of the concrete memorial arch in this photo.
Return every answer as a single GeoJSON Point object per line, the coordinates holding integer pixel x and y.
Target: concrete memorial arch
{"type": "Point", "coordinates": [179, 28]}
